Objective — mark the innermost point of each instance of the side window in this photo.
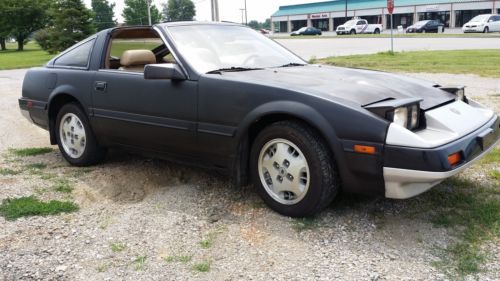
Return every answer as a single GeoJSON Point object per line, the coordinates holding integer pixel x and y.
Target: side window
{"type": "Point", "coordinates": [78, 57]}
{"type": "Point", "coordinates": [360, 22]}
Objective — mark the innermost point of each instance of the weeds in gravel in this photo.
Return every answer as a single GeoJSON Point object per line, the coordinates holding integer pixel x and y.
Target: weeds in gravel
{"type": "Point", "coordinates": [302, 224]}
{"type": "Point", "coordinates": [8, 172]}
{"type": "Point", "coordinates": [139, 262]}
{"type": "Point", "coordinates": [13, 208]}
{"type": "Point", "coordinates": [208, 241]}
{"type": "Point", "coordinates": [36, 166]}
{"type": "Point", "coordinates": [23, 152]}
{"type": "Point", "coordinates": [62, 185]}
{"type": "Point", "coordinates": [492, 157]}
{"type": "Point", "coordinates": [202, 267]}
{"type": "Point", "coordinates": [470, 206]}
{"type": "Point", "coordinates": [102, 267]}
{"type": "Point", "coordinates": [182, 258]}
{"type": "Point", "coordinates": [117, 247]}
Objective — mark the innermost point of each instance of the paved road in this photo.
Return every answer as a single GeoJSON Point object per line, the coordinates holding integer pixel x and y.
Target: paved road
{"type": "Point", "coordinates": [320, 48]}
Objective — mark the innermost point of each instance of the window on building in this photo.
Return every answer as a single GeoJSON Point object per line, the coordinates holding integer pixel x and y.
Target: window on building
{"type": "Point", "coordinates": [443, 17]}
{"type": "Point", "coordinates": [321, 24]}
{"type": "Point", "coordinates": [77, 57]}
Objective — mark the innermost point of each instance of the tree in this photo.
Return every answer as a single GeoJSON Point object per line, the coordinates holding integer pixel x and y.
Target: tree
{"type": "Point", "coordinates": [179, 10]}
{"type": "Point", "coordinates": [136, 13]}
{"type": "Point", "coordinates": [71, 23]}
{"type": "Point", "coordinates": [20, 18]}
{"type": "Point", "coordinates": [103, 11]}
{"type": "Point", "coordinates": [254, 24]}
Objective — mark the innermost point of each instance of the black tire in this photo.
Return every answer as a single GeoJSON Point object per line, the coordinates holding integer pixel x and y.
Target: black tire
{"type": "Point", "coordinates": [377, 31]}
{"type": "Point", "coordinates": [324, 181]}
{"type": "Point", "coordinates": [93, 153]}
{"type": "Point", "coordinates": [486, 30]}
{"type": "Point", "coordinates": [352, 32]}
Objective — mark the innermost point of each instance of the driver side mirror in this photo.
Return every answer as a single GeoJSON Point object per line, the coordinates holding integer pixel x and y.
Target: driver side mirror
{"type": "Point", "coordinates": [169, 71]}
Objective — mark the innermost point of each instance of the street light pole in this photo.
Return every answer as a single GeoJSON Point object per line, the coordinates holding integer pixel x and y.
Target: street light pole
{"type": "Point", "coordinates": [242, 19]}
{"type": "Point", "coordinates": [215, 10]}
{"type": "Point", "coordinates": [148, 3]}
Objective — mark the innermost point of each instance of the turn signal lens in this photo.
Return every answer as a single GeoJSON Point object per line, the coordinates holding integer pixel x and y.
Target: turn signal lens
{"type": "Point", "coordinates": [454, 158]}
{"type": "Point", "coordinates": [364, 149]}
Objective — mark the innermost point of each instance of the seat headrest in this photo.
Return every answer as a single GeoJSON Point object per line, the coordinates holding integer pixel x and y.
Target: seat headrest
{"type": "Point", "coordinates": [137, 57]}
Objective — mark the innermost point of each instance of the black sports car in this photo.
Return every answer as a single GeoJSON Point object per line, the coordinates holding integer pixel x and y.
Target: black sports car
{"type": "Point", "coordinates": [306, 31]}
{"type": "Point", "coordinates": [224, 96]}
{"type": "Point", "coordinates": [426, 26]}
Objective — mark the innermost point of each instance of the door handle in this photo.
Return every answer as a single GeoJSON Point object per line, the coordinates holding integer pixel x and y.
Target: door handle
{"type": "Point", "coordinates": [100, 86]}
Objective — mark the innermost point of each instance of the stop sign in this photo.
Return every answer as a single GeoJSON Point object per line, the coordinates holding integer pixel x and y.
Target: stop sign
{"type": "Point", "coordinates": [390, 6]}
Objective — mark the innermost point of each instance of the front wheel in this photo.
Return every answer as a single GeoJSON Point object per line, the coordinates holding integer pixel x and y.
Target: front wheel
{"type": "Point", "coordinates": [75, 138]}
{"type": "Point", "coordinates": [486, 30]}
{"type": "Point", "coordinates": [352, 32]}
{"type": "Point", "coordinates": [377, 31]}
{"type": "Point", "coordinates": [293, 170]}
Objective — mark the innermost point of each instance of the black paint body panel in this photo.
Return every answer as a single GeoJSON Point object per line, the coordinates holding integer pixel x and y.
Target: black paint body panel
{"type": "Point", "coordinates": [205, 120]}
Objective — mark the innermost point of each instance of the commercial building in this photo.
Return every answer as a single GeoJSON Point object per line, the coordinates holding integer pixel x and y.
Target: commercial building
{"type": "Point", "coordinates": [328, 15]}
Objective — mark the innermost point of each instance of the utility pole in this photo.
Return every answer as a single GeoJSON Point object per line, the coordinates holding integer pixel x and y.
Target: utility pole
{"type": "Point", "coordinates": [215, 10]}
{"type": "Point", "coordinates": [242, 16]}
{"type": "Point", "coordinates": [148, 3]}
{"type": "Point", "coordinates": [246, 18]}
{"type": "Point", "coordinates": [345, 10]}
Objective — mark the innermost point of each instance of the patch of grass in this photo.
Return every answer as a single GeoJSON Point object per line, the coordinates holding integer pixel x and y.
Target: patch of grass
{"type": "Point", "coordinates": [480, 62]}
{"type": "Point", "coordinates": [139, 262]}
{"type": "Point", "coordinates": [32, 55]}
{"type": "Point", "coordinates": [182, 258]}
{"type": "Point", "coordinates": [202, 267]}
{"type": "Point", "coordinates": [32, 151]}
{"type": "Point", "coordinates": [36, 166]}
{"type": "Point", "coordinates": [117, 247]}
{"type": "Point", "coordinates": [8, 172]}
{"type": "Point", "coordinates": [206, 243]}
{"type": "Point", "coordinates": [302, 224]}
{"type": "Point", "coordinates": [62, 185]}
{"type": "Point", "coordinates": [474, 211]}
{"type": "Point", "coordinates": [102, 268]}
{"type": "Point", "coordinates": [47, 176]}
{"type": "Point", "coordinates": [492, 157]}
{"type": "Point", "coordinates": [13, 208]}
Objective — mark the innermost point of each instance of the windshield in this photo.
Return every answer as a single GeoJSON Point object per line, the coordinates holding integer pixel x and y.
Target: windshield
{"type": "Point", "coordinates": [421, 23]}
{"type": "Point", "coordinates": [480, 18]}
{"type": "Point", "coordinates": [302, 29]}
{"type": "Point", "coordinates": [212, 47]}
{"type": "Point", "coordinates": [350, 22]}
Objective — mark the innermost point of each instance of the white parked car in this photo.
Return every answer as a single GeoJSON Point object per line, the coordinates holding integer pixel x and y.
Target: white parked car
{"type": "Point", "coordinates": [358, 26]}
{"type": "Point", "coordinates": [483, 23]}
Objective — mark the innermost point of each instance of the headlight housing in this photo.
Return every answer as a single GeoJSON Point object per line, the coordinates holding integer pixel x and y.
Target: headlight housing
{"type": "Point", "coordinates": [403, 112]}
{"type": "Point", "coordinates": [407, 116]}
{"type": "Point", "coordinates": [458, 91]}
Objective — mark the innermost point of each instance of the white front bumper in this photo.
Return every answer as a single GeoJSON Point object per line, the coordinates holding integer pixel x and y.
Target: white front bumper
{"type": "Point", "coordinates": [404, 183]}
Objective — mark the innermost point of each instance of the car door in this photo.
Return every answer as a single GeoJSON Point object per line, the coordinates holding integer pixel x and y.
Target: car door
{"type": "Point", "coordinates": [360, 26]}
{"type": "Point", "coordinates": [156, 115]}
{"type": "Point", "coordinates": [495, 23]}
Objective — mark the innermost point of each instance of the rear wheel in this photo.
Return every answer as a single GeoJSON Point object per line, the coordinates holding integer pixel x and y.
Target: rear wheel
{"type": "Point", "coordinates": [293, 170]}
{"type": "Point", "coordinates": [377, 31]}
{"type": "Point", "coordinates": [75, 138]}
{"type": "Point", "coordinates": [486, 30]}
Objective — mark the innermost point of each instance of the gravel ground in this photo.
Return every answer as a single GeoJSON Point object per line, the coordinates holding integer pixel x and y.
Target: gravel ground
{"type": "Point", "coordinates": [158, 212]}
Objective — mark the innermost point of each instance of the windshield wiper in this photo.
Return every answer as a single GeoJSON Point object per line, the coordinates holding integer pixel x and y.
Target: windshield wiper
{"type": "Point", "coordinates": [231, 69]}
{"type": "Point", "coordinates": [292, 64]}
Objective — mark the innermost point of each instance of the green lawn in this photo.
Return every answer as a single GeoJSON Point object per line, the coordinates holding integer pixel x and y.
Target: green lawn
{"type": "Point", "coordinates": [31, 56]}
{"type": "Point", "coordinates": [480, 62]}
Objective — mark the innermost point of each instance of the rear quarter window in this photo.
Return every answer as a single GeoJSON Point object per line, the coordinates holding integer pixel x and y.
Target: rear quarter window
{"type": "Point", "coordinates": [76, 57]}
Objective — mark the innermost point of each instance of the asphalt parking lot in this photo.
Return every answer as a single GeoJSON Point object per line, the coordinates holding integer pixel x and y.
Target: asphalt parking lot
{"type": "Point", "coordinates": [325, 47]}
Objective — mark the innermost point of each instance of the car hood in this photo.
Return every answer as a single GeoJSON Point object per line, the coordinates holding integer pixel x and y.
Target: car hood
{"type": "Point", "coordinates": [360, 86]}
{"type": "Point", "coordinates": [475, 22]}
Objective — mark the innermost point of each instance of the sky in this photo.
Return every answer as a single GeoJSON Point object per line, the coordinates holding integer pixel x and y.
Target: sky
{"type": "Point", "coordinates": [229, 10]}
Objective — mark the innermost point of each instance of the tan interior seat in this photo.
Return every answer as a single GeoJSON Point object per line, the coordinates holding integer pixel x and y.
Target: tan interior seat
{"type": "Point", "coordinates": [135, 60]}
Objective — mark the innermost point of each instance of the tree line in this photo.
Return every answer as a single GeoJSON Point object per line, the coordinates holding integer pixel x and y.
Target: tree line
{"type": "Point", "coordinates": [58, 24]}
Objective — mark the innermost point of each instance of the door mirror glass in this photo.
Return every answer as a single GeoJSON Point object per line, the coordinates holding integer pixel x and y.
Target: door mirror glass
{"type": "Point", "coordinates": [163, 71]}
